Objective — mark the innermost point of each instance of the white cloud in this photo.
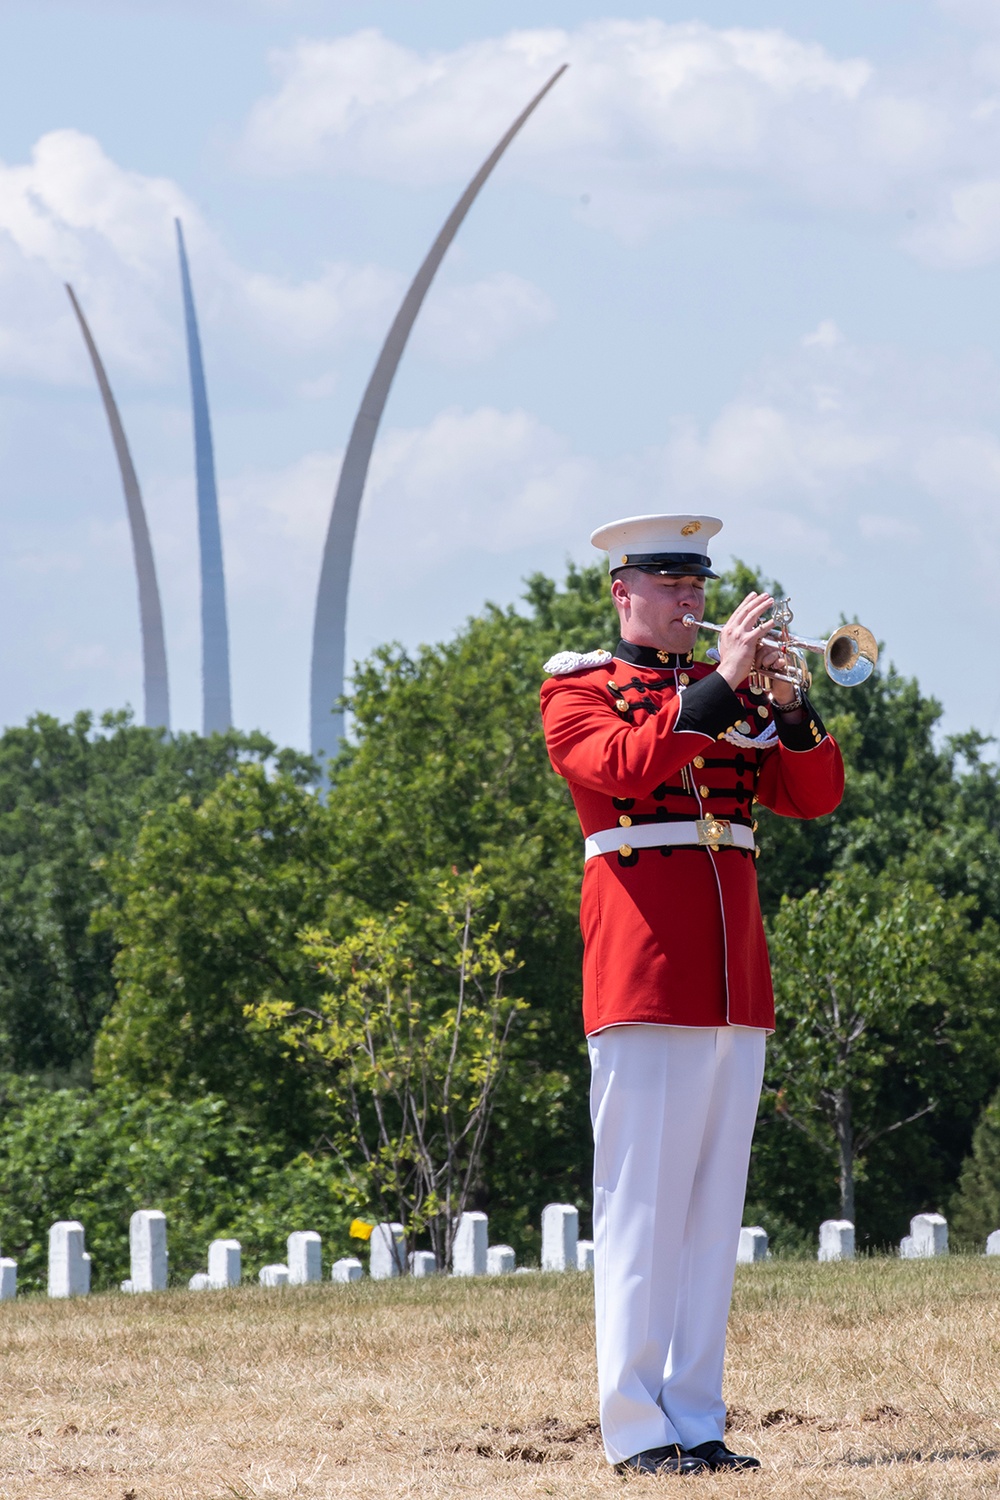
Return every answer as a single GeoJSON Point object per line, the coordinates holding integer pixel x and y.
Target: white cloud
{"type": "Point", "coordinates": [826, 336]}
{"type": "Point", "coordinates": [965, 231]}
{"type": "Point", "coordinates": [72, 214]}
{"type": "Point", "coordinates": [654, 121]}
{"type": "Point", "coordinates": [274, 523]}
{"type": "Point", "coordinates": [485, 479]}
{"type": "Point", "coordinates": [642, 103]}
{"type": "Point", "coordinates": [464, 324]}
{"type": "Point", "coordinates": [832, 449]}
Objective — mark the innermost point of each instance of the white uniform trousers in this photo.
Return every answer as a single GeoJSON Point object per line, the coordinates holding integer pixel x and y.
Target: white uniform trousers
{"type": "Point", "coordinates": [673, 1111]}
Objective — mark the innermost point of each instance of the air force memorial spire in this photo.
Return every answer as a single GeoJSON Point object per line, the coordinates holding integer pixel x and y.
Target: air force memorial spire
{"type": "Point", "coordinates": [156, 689]}
{"type": "Point", "coordinates": [217, 712]}
{"type": "Point", "coordinates": [329, 629]}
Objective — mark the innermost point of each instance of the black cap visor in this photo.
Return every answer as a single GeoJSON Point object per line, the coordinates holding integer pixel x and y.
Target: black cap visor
{"type": "Point", "coordinates": [677, 564]}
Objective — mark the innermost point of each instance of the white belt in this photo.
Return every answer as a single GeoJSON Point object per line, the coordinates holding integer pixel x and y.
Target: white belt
{"type": "Point", "coordinates": [710, 833]}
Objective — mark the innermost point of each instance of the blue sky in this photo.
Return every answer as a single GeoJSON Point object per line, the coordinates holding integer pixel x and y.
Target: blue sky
{"type": "Point", "coordinates": [744, 259]}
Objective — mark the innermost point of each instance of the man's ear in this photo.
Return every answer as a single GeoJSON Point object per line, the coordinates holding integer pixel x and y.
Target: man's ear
{"type": "Point", "coordinates": [620, 591]}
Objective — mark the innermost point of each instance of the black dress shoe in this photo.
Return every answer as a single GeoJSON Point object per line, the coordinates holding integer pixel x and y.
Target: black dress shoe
{"type": "Point", "coordinates": [668, 1460]}
{"type": "Point", "coordinates": [717, 1456]}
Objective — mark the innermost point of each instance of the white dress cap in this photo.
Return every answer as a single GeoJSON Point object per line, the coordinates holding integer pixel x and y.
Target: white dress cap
{"type": "Point", "coordinates": [659, 544]}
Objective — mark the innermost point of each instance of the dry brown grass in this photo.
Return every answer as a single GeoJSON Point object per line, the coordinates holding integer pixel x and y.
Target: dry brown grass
{"type": "Point", "coordinates": [874, 1379]}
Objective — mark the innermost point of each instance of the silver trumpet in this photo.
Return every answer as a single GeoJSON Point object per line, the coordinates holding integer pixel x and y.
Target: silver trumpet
{"type": "Point", "coordinates": [849, 654]}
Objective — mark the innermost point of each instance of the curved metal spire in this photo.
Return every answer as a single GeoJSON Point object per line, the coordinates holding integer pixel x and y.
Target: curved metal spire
{"type": "Point", "coordinates": [217, 713]}
{"type": "Point", "coordinates": [329, 629]}
{"type": "Point", "coordinates": [155, 686]}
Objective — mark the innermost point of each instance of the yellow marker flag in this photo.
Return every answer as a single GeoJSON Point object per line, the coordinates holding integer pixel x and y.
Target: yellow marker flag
{"type": "Point", "coordinates": [359, 1230]}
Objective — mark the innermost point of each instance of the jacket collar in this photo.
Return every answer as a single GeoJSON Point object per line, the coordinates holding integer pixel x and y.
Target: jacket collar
{"type": "Point", "coordinates": [648, 656]}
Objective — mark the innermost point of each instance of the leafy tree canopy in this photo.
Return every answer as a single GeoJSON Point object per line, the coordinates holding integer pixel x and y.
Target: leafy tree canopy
{"type": "Point", "coordinates": [975, 1207]}
{"type": "Point", "coordinates": [73, 796]}
{"type": "Point", "coordinates": [210, 902]}
{"type": "Point", "coordinates": [96, 1157]}
{"type": "Point", "coordinates": [887, 1006]}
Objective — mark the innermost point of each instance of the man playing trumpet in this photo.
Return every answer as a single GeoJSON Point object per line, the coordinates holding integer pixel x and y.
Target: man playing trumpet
{"type": "Point", "coordinates": [665, 759]}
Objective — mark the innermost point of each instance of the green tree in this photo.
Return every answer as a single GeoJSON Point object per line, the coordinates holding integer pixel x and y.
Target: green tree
{"type": "Point", "coordinates": [411, 1036]}
{"type": "Point", "coordinates": [71, 797]}
{"type": "Point", "coordinates": [449, 770]}
{"type": "Point", "coordinates": [96, 1157]}
{"type": "Point", "coordinates": [884, 1001]}
{"type": "Point", "coordinates": [208, 908]}
{"type": "Point", "coordinates": [975, 1207]}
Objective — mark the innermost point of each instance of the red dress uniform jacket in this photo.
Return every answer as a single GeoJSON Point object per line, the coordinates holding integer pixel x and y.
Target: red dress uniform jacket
{"type": "Point", "coordinates": [673, 935]}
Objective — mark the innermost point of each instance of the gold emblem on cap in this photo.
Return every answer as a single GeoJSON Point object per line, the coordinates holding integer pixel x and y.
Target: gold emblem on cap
{"type": "Point", "coordinates": [624, 558]}
{"type": "Point", "coordinates": [690, 528]}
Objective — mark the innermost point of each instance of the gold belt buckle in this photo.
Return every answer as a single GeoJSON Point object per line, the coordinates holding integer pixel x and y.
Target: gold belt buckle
{"type": "Point", "coordinates": [716, 833]}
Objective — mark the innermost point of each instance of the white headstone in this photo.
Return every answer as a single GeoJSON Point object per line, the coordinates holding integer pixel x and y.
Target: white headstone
{"type": "Point", "coordinates": [273, 1276]}
{"type": "Point", "coordinates": [69, 1263]}
{"type": "Point", "coordinates": [305, 1257]}
{"type": "Point", "coordinates": [992, 1244]}
{"type": "Point", "coordinates": [388, 1251]}
{"type": "Point", "coordinates": [468, 1253]}
{"type": "Point", "coordinates": [348, 1269]}
{"type": "Point", "coordinates": [560, 1227]}
{"type": "Point", "coordinates": [224, 1268]}
{"type": "Point", "coordinates": [147, 1243]}
{"type": "Point", "coordinates": [423, 1263]}
{"type": "Point", "coordinates": [127, 1286]}
{"type": "Point", "coordinates": [200, 1282]}
{"type": "Point", "coordinates": [8, 1280]}
{"type": "Point", "coordinates": [836, 1240]}
{"type": "Point", "coordinates": [753, 1245]}
{"type": "Point", "coordinates": [928, 1236]}
{"type": "Point", "coordinates": [500, 1260]}
{"type": "Point", "coordinates": [584, 1255]}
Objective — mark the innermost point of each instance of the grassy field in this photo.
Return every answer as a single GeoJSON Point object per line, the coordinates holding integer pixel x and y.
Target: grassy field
{"type": "Point", "coordinates": [872, 1379]}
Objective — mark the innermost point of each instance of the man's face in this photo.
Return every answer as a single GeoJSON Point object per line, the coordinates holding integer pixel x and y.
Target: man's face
{"type": "Point", "coordinates": [651, 607]}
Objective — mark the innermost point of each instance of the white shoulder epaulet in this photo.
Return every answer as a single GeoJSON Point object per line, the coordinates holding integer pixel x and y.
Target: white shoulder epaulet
{"type": "Point", "coordinates": [574, 661]}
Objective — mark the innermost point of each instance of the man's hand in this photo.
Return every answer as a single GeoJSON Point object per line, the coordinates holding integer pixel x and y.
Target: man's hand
{"type": "Point", "coordinates": [740, 639]}
{"type": "Point", "coordinates": [771, 658]}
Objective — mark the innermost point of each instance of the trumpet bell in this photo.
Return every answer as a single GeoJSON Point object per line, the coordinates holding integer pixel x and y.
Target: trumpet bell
{"type": "Point", "coordinates": [851, 655]}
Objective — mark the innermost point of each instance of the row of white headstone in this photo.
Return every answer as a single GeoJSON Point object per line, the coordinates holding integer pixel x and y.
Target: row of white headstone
{"type": "Point", "coordinates": [472, 1255]}
{"type": "Point", "coordinates": [928, 1237]}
